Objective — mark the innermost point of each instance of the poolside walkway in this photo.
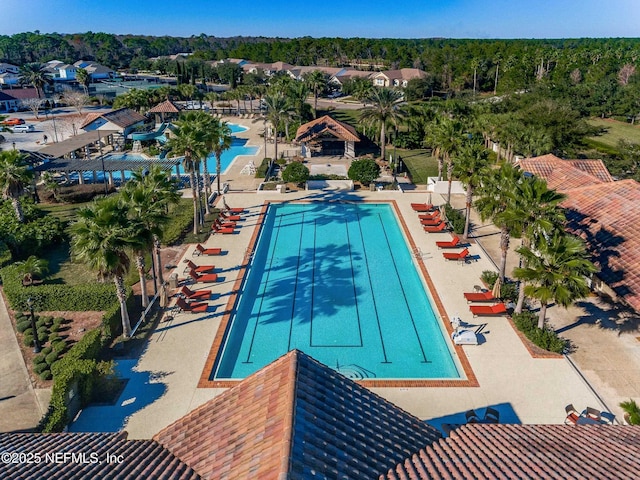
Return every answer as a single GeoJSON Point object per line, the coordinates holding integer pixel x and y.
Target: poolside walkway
{"type": "Point", "coordinates": [524, 389]}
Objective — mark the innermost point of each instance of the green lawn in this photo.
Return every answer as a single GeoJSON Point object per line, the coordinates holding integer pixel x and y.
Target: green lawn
{"type": "Point", "coordinates": [615, 131]}
{"type": "Point", "coordinates": [420, 163]}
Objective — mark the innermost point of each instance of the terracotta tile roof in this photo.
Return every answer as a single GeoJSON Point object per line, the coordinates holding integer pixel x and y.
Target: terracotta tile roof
{"type": "Point", "coordinates": [527, 451]}
{"type": "Point", "coordinates": [320, 126]}
{"type": "Point", "coordinates": [22, 93]}
{"type": "Point", "coordinates": [295, 418]}
{"type": "Point", "coordinates": [607, 216]}
{"type": "Point", "coordinates": [566, 174]}
{"type": "Point", "coordinates": [140, 458]}
{"type": "Point", "coordinates": [166, 107]}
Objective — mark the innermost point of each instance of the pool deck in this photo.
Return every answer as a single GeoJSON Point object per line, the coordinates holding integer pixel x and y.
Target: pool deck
{"type": "Point", "coordinates": [165, 382]}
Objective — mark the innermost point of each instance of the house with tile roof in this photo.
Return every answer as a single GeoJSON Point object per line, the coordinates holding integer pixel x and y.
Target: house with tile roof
{"type": "Point", "coordinates": [165, 111]}
{"type": "Point", "coordinates": [8, 103]}
{"type": "Point", "coordinates": [327, 136]}
{"type": "Point", "coordinates": [298, 419]}
{"type": "Point", "coordinates": [605, 213]}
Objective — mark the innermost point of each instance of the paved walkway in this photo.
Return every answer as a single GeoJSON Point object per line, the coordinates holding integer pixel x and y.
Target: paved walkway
{"type": "Point", "coordinates": [21, 406]}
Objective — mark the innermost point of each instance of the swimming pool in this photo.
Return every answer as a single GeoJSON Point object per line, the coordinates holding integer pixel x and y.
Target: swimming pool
{"type": "Point", "coordinates": [338, 282]}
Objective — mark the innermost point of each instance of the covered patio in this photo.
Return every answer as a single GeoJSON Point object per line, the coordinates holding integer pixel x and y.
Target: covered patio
{"type": "Point", "coordinates": [79, 145]}
{"type": "Point", "coordinates": [327, 136]}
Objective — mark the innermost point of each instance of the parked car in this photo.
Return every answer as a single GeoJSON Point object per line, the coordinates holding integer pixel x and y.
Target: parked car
{"type": "Point", "coordinates": [27, 127]}
{"type": "Point", "coordinates": [10, 122]}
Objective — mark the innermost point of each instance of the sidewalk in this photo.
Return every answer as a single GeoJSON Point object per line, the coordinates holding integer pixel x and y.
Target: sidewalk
{"type": "Point", "coordinates": [21, 406]}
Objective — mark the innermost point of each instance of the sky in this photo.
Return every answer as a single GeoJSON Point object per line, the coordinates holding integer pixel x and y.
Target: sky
{"type": "Point", "coordinates": [349, 18]}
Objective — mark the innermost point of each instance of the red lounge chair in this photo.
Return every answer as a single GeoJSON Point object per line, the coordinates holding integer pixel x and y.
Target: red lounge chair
{"type": "Point", "coordinates": [431, 223]}
{"type": "Point", "coordinates": [457, 255]}
{"type": "Point", "coordinates": [497, 309]}
{"type": "Point", "coordinates": [234, 210]}
{"type": "Point", "coordinates": [218, 224]}
{"type": "Point", "coordinates": [194, 294]}
{"type": "Point", "coordinates": [430, 215]}
{"type": "Point", "coordinates": [453, 243]}
{"type": "Point", "coordinates": [479, 296]}
{"type": "Point", "coordinates": [572, 415]}
{"type": "Point", "coordinates": [191, 307]}
{"type": "Point", "coordinates": [199, 268]}
{"type": "Point", "coordinates": [422, 207]}
{"type": "Point", "coordinates": [230, 218]}
{"type": "Point", "coordinates": [436, 229]}
{"type": "Point", "coordinates": [204, 278]}
{"type": "Point", "coordinates": [225, 231]}
{"type": "Point", "coordinates": [200, 250]}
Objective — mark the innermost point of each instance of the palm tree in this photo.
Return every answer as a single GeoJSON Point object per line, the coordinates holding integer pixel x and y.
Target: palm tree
{"type": "Point", "coordinates": [15, 174]}
{"type": "Point", "coordinates": [157, 192]}
{"type": "Point", "coordinates": [219, 140]}
{"type": "Point", "coordinates": [470, 167]}
{"type": "Point", "coordinates": [34, 74]}
{"type": "Point", "coordinates": [383, 111]}
{"type": "Point", "coordinates": [84, 78]}
{"type": "Point", "coordinates": [556, 271]}
{"type": "Point", "coordinates": [278, 111]}
{"type": "Point", "coordinates": [445, 137]}
{"type": "Point", "coordinates": [100, 238]}
{"type": "Point", "coordinates": [32, 267]}
{"type": "Point", "coordinates": [188, 139]}
{"type": "Point", "coordinates": [537, 214]}
{"type": "Point", "coordinates": [496, 202]}
{"type": "Point", "coordinates": [317, 82]}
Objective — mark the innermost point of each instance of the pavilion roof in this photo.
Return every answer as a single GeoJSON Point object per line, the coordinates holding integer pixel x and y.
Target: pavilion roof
{"type": "Point", "coordinates": [323, 125]}
{"type": "Point", "coordinates": [166, 107]}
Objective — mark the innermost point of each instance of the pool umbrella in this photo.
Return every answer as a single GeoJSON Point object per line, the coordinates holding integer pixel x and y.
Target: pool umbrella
{"type": "Point", "coordinates": [495, 291]}
{"type": "Point", "coordinates": [164, 300]}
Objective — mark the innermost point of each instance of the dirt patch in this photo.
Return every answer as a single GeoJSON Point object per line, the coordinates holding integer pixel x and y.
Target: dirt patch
{"type": "Point", "coordinates": [170, 257]}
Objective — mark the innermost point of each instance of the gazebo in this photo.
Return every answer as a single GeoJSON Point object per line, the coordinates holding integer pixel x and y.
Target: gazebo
{"type": "Point", "coordinates": [327, 136]}
{"type": "Point", "coordinates": [165, 111]}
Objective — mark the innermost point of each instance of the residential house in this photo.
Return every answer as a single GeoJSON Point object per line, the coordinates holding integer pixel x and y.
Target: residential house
{"type": "Point", "coordinates": [299, 419]}
{"type": "Point", "coordinates": [123, 120]}
{"type": "Point", "coordinates": [396, 78]}
{"type": "Point", "coordinates": [95, 70]}
{"type": "Point", "coordinates": [347, 74]}
{"type": "Point", "coordinates": [8, 103]}
{"type": "Point", "coordinates": [9, 68]}
{"type": "Point", "coordinates": [67, 72]}
{"type": "Point", "coordinates": [605, 213]}
{"type": "Point", "coordinates": [9, 78]}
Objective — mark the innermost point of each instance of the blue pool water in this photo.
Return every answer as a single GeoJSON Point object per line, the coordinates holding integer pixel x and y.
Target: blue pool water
{"type": "Point", "coordinates": [338, 282]}
{"type": "Point", "coordinates": [238, 148]}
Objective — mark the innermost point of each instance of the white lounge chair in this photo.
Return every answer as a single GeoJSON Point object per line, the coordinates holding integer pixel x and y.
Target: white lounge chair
{"type": "Point", "coordinates": [464, 337]}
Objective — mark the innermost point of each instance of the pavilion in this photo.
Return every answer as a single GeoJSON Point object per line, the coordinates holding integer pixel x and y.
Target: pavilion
{"type": "Point", "coordinates": [327, 136]}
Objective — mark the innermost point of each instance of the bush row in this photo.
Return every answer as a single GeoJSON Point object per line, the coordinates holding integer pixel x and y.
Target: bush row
{"type": "Point", "coordinates": [527, 323]}
{"type": "Point", "coordinates": [89, 296]}
{"type": "Point", "coordinates": [180, 221]}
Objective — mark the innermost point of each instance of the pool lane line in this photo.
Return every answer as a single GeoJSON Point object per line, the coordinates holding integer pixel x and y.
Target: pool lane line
{"type": "Point", "coordinates": [295, 285]}
{"type": "Point", "coordinates": [353, 281]}
{"type": "Point", "coordinates": [404, 295]}
{"type": "Point", "coordinates": [373, 296]}
{"type": "Point", "coordinates": [313, 281]}
{"type": "Point", "coordinates": [266, 282]}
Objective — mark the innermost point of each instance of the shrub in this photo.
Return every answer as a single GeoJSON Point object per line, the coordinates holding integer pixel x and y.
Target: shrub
{"type": "Point", "coordinates": [364, 171]}
{"type": "Point", "coordinates": [455, 218]}
{"type": "Point", "coordinates": [295, 172]}
{"type": "Point", "coordinates": [22, 326]}
{"type": "Point", "coordinates": [489, 277]}
{"type": "Point", "coordinates": [527, 323]}
{"type": "Point", "coordinates": [43, 332]}
{"type": "Point", "coordinates": [27, 340]}
{"type": "Point", "coordinates": [52, 357]}
{"type": "Point", "coordinates": [55, 328]}
{"type": "Point", "coordinates": [180, 221]}
{"type": "Point", "coordinates": [39, 358]}
{"type": "Point", "coordinates": [40, 367]}
{"type": "Point", "coordinates": [5, 254]}
{"type": "Point", "coordinates": [58, 321]}
{"type": "Point", "coordinates": [261, 171]}
{"type": "Point", "coordinates": [20, 317]}
{"type": "Point", "coordinates": [40, 322]}
{"type": "Point", "coordinates": [53, 337]}
{"type": "Point", "coordinates": [28, 331]}
{"type": "Point", "coordinates": [82, 193]}
{"type": "Point", "coordinates": [60, 346]}
{"type": "Point", "coordinates": [48, 320]}
{"type": "Point", "coordinates": [46, 375]}
{"type": "Point", "coordinates": [45, 351]}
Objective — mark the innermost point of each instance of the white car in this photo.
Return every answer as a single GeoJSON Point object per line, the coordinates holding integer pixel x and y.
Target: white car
{"type": "Point", "coordinates": [27, 127]}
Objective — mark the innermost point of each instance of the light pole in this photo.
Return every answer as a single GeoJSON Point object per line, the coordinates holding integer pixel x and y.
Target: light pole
{"type": "Point", "coordinates": [36, 340]}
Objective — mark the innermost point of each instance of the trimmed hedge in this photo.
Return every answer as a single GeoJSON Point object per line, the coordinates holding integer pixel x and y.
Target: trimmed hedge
{"type": "Point", "coordinates": [88, 296]}
{"type": "Point", "coordinates": [180, 222]}
{"type": "Point", "coordinates": [5, 254]}
{"type": "Point", "coordinates": [527, 323]}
